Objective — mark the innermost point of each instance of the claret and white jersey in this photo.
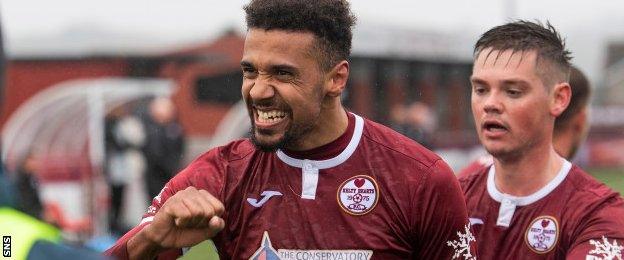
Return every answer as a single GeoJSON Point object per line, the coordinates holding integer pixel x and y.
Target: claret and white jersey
{"type": "Point", "coordinates": [572, 217]}
{"type": "Point", "coordinates": [370, 194]}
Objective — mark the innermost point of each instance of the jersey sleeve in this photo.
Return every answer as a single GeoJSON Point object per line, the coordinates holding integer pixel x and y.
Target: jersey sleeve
{"type": "Point", "coordinates": [602, 236]}
{"type": "Point", "coordinates": [206, 172]}
{"type": "Point", "coordinates": [441, 228]}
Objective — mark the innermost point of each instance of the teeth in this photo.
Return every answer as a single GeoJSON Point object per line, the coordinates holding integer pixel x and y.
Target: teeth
{"type": "Point", "coordinates": [270, 116]}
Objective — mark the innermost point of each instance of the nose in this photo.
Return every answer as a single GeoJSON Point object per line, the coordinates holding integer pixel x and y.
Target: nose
{"type": "Point", "coordinates": [262, 88]}
{"type": "Point", "coordinates": [492, 103]}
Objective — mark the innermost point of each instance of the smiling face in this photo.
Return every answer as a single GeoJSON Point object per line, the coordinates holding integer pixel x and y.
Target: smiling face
{"type": "Point", "coordinates": [283, 86]}
{"type": "Point", "coordinates": [513, 110]}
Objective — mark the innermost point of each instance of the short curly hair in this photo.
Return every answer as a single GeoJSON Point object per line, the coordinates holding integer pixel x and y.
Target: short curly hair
{"type": "Point", "coordinates": [330, 21]}
{"type": "Point", "coordinates": [524, 36]}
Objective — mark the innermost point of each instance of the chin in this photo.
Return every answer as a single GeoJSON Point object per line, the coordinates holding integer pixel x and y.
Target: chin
{"type": "Point", "coordinates": [502, 153]}
{"type": "Point", "coordinates": [268, 143]}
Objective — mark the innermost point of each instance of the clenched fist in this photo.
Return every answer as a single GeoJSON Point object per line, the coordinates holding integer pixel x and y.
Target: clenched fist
{"type": "Point", "coordinates": [185, 219]}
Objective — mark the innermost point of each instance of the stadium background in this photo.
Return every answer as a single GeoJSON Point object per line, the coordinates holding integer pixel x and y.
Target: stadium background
{"type": "Point", "coordinates": [61, 83]}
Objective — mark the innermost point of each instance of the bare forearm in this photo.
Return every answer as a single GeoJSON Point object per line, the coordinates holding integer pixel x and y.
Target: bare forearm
{"type": "Point", "coordinates": [141, 247]}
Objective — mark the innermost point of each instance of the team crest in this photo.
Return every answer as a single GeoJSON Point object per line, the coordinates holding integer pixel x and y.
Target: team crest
{"type": "Point", "coordinates": [542, 234]}
{"type": "Point", "coordinates": [358, 195]}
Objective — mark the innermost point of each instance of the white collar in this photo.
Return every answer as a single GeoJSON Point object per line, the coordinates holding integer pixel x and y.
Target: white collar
{"type": "Point", "coordinates": [526, 200]}
{"type": "Point", "coordinates": [332, 162]}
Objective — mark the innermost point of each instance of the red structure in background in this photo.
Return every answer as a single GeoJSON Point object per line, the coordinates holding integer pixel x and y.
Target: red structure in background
{"type": "Point", "coordinates": [26, 77]}
{"type": "Point", "coordinates": [186, 66]}
{"type": "Point", "coordinates": [208, 83]}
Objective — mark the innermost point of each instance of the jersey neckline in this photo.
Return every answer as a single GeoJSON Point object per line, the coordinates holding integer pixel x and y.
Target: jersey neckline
{"type": "Point", "coordinates": [499, 196]}
{"type": "Point", "coordinates": [331, 162]}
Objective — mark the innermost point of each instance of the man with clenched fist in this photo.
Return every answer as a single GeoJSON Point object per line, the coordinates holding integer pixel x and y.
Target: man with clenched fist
{"type": "Point", "coordinates": [314, 181]}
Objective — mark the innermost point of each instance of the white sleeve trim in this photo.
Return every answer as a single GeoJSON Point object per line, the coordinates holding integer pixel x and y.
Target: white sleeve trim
{"type": "Point", "coordinates": [146, 220]}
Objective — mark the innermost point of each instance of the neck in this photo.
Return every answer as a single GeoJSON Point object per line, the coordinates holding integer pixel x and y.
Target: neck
{"type": "Point", "coordinates": [331, 124]}
{"type": "Point", "coordinates": [527, 174]}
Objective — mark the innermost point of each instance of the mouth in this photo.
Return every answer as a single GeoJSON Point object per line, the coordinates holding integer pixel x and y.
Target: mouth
{"type": "Point", "coordinates": [494, 128]}
{"type": "Point", "coordinates": [269, 117]}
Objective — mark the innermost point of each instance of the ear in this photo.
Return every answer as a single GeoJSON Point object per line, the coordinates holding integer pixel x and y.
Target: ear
{"type": "Point", "coordinates": [560, 99]}
{"type": "Point", "coordinates": [337, 79]}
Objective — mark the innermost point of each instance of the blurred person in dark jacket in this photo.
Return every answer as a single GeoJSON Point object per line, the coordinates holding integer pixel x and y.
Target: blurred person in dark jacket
{"type": "Point", "coordinates": [164, 144]}
{"type": "Point", "coordinates": [125, 137]}
{"type": "Point", "coordinates": [30, 238]}
{"type": "Point", "coordinates": [27, 187]}
{"type": "Point", "coordinates": [416, 121]}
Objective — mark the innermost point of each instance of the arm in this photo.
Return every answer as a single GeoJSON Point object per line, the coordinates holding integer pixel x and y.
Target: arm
{"type": "Point", "coordinates": [602, 236]}
{"type": "Point", "coordinates": [442, 229]}
{"type": "Point", "coordinates": [186, 219]}
{"type": "Point", "coordinates": [183, 214]}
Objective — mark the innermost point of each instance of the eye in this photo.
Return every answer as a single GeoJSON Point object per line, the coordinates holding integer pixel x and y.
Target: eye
{"type": "Point", "coordinates": [249, 73]}
{"type": "Point", "coordinates": [479, 90]}
{"type": "Point", "coordinates": [514, 93]}
{"type": "Point", "coordinates": [284, 75]}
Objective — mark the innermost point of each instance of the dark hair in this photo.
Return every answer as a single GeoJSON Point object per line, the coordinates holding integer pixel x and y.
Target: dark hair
{"type": "Point", "coordinates": [580, 97]}
{"type": "Point", "coordinates": [329, 20]}
{"type": "Point", "coordinates": [524, 36]}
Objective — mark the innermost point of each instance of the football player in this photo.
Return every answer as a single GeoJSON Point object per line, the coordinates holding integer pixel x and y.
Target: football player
{"type": "Point", "coordinates": [532, 203]}
{"type": "Point", "coordinates": [314, 181]}
{"type": "Point", "coordinates": [570, 127]}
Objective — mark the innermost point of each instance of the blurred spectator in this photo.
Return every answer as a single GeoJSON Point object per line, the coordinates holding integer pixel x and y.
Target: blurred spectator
{"type": "Point", "coordinates": [416, 121]}
{"type": "Point", "coordinates": [164, 144]}
{"type": "Point", "coordinates": [27, 187]}
{"type": "Point", "coordinates": [125, 138]}
{"type": "Point", "coordinates": [30, 237]}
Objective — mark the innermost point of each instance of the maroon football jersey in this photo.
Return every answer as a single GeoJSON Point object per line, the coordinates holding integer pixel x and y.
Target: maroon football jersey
{"type": "Point", "coordinates": [370, 194]}
{"type": "Point", "coordinates": [572, 217]}
{"type": "Point", "coordinates": [484, 161]}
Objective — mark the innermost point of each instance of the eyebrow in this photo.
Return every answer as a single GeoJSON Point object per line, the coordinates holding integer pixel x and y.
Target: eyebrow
{"type": "Point", "coordinates": [518, 82]}
{"type": "Point", "coordinates": [272, 68]}
{"type": "Point", "coordinates": [474, 79]}
{"type": "Point", "coordinates": [283, 67]}
{"type": "Point", "coordinates": [511, 81]}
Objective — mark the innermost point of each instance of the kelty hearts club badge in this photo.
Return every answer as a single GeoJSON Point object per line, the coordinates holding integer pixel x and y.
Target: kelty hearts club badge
{"type": "Point", "coordinates": [358, 195]}
{"type": "Point", "coordinates": [542, 234]}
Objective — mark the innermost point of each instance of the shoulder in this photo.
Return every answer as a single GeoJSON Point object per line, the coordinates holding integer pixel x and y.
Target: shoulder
{"type": "Point", "coordinates": [588, 187]}
{"type": "Point", "coordinates": [212, 163]}
{"type": "Point", "coordinates": [392, 143]}
{"type": "Point", "coordinates": [476, 166]}
{"type": "Point", "coordinates": [232, 151]}
{"type": "Point", "coordinates": [236, 150]}
{"type": "Point", "coordinates": [420, 169]}
{"type": "Point", "coordinates": [593, 202]}
{"type": "Point", "coordinates": [475, 171]}
{"type": "Point", "coordinates": [595, 212]}
{"type": "Point", "coordinates": [473, 177]}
